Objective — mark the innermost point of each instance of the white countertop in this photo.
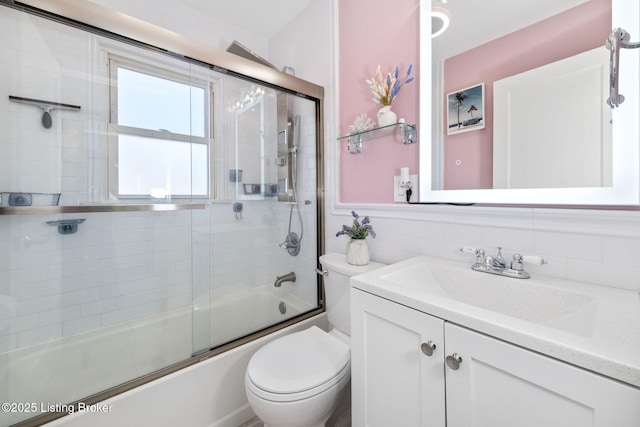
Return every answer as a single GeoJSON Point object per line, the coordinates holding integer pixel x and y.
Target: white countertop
{"type": "Point", "coordinates": [603, 336]}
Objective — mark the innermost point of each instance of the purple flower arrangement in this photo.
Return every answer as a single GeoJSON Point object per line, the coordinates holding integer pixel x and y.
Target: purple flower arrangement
{"type": "Point", "coordinates": [385, 89]}
{"type": "Point", "coordinates": [359, 230]}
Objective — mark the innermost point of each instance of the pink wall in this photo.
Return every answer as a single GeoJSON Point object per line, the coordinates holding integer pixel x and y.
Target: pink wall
{"type": "Point", "coordinates": [576, 30]}
{"type": "Point", "coordinates": [372, 33]}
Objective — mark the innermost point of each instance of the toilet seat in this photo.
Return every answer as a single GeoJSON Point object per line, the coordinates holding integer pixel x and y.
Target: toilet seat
{"type": "Point", "coordinates": [298, 366]}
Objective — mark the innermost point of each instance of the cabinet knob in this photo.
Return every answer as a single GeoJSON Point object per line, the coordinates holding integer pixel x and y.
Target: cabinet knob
{"type": "Point", "coordinates": [428, 347]}
{"type": "Point", "coordinates": [454, 361]}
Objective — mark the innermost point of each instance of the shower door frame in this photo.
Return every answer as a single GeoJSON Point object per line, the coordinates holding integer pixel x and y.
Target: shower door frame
{"type": "Point", "coordinates": [106, 22]}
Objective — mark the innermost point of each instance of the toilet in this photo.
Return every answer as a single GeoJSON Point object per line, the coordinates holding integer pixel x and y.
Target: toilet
{"type": "Point", "coordinates": [296, 380]}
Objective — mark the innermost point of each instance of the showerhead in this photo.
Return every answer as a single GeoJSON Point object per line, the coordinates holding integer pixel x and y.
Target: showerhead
{"type": "Point", "coordinates": [296, 130]}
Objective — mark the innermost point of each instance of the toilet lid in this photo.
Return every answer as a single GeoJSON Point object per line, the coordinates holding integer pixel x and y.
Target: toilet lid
{"type": "Point", "coordinates": [298, 362]}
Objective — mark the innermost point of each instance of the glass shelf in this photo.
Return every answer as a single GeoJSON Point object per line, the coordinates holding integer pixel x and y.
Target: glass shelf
{"type": "Point", "coordinates": [408, 135]}
{"type": "Point", "coordinates": [40, 210]}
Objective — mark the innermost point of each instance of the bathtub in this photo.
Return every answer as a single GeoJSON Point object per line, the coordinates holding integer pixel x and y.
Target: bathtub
{"type": "Point", "coordinates": [75, 367]}
{"type": "Point", "coordinates": [243, 313]}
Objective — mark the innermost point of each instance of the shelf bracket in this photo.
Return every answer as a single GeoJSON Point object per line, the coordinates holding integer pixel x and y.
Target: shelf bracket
{"type": "Point", "coordinates": [408, 133]}
{"type": "Point", "coordinates": [354, 144]}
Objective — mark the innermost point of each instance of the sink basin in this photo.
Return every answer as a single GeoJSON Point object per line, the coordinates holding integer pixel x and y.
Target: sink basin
{"type": "Point", "coordinates": [528, 299]}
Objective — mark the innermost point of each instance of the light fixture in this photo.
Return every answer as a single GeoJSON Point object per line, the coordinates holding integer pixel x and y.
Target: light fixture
{"type": "Point", "coordinates": [440, 19]}
{"type": "Point", "coordinates": [247, 99]}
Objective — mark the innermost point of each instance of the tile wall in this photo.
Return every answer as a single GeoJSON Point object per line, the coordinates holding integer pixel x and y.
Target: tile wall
{"type": "Point", "coordinates": [118, 266]}
{"type": "Point", "coordinates": [593, 246]}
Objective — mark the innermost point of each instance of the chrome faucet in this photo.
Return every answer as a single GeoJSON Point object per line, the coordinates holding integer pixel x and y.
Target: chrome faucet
{"type": "Point", "coordinates": [497, 265]}
{"type": "Point", "coordinates": [496, 261]}
{"type": "Point", "coordinates": [289, 277]}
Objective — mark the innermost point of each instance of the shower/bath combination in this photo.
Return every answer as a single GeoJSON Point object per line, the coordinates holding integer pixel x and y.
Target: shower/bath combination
{"type": "Point", "coordinates": [288, 146]}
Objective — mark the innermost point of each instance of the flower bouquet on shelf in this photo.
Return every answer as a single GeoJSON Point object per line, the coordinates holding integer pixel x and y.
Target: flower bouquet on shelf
{"type": "Point", "coordinates": [385, 89]}
{"type": "Point", "coordinates": [357, 247]}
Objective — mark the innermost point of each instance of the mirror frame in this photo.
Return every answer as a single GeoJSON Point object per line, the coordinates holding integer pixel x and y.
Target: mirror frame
{"type": "Point", "coordinates": [626, 141]}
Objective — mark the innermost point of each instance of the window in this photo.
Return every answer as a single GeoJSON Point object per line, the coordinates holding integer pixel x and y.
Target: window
{"type": "Point", "coordinates": [158, 132]}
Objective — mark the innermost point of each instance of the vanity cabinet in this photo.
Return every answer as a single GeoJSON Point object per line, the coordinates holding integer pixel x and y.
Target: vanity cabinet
{"type": "Point", "coordinates": [394, 382]}
{"type": "Point", "coordinates": [500, 384]}
{"type": "Point", "coordinates": [487, 382]}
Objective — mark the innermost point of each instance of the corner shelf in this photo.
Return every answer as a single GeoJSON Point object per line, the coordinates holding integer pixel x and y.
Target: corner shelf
{"type": "Point", "coordinates": [408, 135]}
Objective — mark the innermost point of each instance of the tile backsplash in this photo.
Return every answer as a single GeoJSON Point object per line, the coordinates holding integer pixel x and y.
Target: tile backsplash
{"type": "Point", "coordinates": [594, 246]}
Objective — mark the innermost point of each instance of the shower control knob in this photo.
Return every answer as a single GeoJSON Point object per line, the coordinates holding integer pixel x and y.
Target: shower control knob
{"type": "Point", "coordinates": [428, 348]}
{"type": "Point", "coordinates": [454, 361]}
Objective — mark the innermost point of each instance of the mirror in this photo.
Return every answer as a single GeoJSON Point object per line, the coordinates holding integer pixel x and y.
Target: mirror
{"type": "Point", "coordinates": [517, 109]}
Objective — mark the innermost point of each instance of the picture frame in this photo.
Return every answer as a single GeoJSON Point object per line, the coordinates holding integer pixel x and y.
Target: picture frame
{"type": "Point", "coordinates": [465, 110]}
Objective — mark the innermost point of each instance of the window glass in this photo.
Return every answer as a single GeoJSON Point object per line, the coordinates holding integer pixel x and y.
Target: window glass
{"type": "Point", "coordinates": [150, 102]}
{"type": "Point", "coordinates": [151, 166]}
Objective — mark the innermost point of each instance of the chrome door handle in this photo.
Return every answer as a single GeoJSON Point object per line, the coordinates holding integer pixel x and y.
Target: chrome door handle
{"type": "Point", "coordinates": [454, 361]}
{"type": "Point", "coordinates": [428, 348]}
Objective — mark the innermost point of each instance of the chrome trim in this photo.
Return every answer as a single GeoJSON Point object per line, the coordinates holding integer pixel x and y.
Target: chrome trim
{"type": "Point", "coordinates": [137, 382]}
{"type": "Point", "coordinates": [155, 37]}
{"type": "Point", "coordinates": [618, 39]}
{"type": "Point", "coordinates": [41, 210]}
{"type": "Point", "coordinates": [509, 272]}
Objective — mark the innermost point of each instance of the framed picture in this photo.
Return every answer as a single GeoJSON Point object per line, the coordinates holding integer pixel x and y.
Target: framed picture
{"type": "Point", "coordinates": [465, 110]}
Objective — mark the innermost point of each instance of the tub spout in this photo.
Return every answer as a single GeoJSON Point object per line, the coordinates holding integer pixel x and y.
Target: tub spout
{"type": "Point", "coordinates": [290, 277]}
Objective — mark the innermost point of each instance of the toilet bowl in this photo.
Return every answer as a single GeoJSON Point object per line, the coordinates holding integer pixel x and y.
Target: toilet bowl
{"type": "Point", "coordinates": [296, 380]}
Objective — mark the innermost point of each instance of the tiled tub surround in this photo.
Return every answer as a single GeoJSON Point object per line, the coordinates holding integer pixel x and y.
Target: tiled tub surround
{"type": "Point", "coordinates": [117, 267]}
{"type": "Point", "coordinates": [127, 268]}
{"type": "Point", "coordinates": [97, 360]}
{"type": "Point", "coordinates": [134, 271]}
{"type": "Point", "coordinates": [602, 334]}
{"type": "Point", "coordinates": [210, 393]}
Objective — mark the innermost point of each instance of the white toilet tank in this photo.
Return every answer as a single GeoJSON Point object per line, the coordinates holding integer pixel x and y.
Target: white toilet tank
{"type": "Point", "coordinates": [337, 288]}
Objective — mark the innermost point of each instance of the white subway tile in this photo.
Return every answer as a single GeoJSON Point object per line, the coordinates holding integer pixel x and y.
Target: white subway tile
{"type": "Point", "coordinates": [39, 335]}
{"type": "Point", "coordinates": [81, 325]}
{"type": "Point", "coordinates": [570, 245]}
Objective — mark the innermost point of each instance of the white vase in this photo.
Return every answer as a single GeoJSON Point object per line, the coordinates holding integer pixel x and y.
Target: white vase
{"type": "Point", "coordinates": [357, 252]}
{"type": "Point", "coordinates": [386, 117]}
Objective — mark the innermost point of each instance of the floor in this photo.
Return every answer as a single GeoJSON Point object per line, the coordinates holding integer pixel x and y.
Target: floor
{"type": "Point", "coordinates": [340, 418]}
{"type": "Point", "coordinates": [254, 422]}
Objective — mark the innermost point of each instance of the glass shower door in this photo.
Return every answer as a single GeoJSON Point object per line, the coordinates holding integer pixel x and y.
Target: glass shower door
{"type": "Point", "coordinates": [267, 223]}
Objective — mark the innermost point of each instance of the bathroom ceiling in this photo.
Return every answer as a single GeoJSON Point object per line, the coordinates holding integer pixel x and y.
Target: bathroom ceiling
{"type": "Point", "coordinates": [260, 17]}
{"type": "Point", "coordinates": [474, 23]}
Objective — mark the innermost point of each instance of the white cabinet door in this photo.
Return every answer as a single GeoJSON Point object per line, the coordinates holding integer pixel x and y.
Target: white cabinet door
{"type": "Point", "coordinates": [502, 385]}
{"type": "Point", "coordinates": [394, 383]}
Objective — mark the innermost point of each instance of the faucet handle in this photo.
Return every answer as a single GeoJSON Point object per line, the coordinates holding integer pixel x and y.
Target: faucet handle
{"type": "Point", "coordinates": [468, 250]}
{"type": "Point", "coordinates": [480, 258]}
{"type": "Point", "coordinates": [534, 259]}
{"type": "Point", "coordinates": [516, 263]}
{"type": "Point", "coordinates": [479, 253]}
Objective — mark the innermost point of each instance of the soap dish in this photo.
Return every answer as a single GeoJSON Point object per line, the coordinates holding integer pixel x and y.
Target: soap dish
{"type": "Point", "coordinates": [29, 199]}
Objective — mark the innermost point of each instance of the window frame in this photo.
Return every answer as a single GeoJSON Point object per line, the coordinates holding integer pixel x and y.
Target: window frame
{"type": "Point", "coordinates": [189, 76]}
